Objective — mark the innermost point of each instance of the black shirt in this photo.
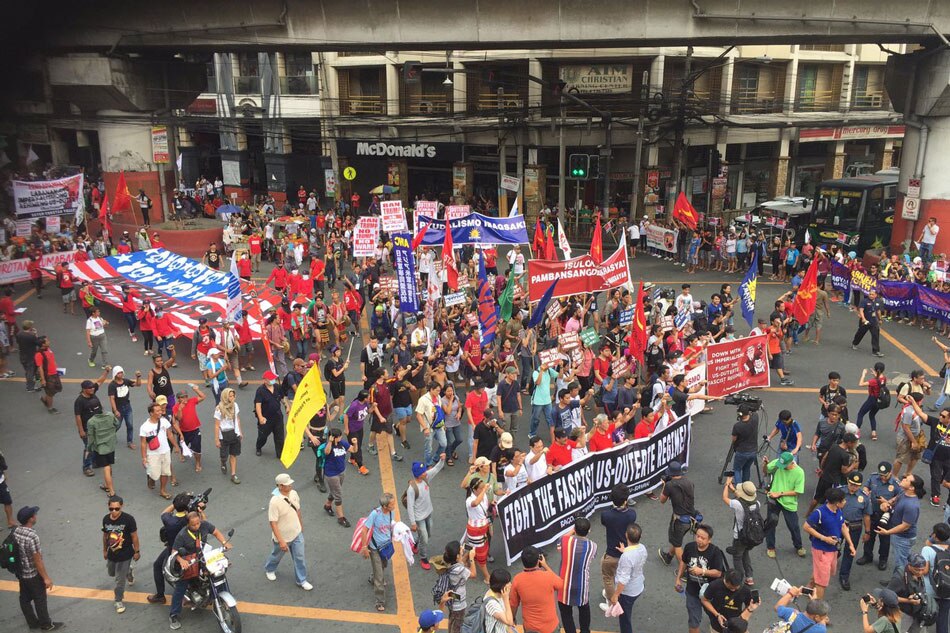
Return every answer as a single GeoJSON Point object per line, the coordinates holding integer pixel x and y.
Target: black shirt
{"type": "Point", "coordinates": [173, 524]}
{"type": "Point", "coordinates": [27, 343]}
{"type": "Point", "coordinates": [162, 383]}
{"type": "Point", "coordinates": [332, 366]}
{"type": "Point", "coordinates": [836, 458]}
{"type": "Point", "coordinates": [119, 540]}
{"type": "Point", "coordinates": [680, 399]}
{"type": "Point", "coordinates": [270, 403]}
{"type": "Point", "coordinates": [121, 393]}
{"type": "Point", "coordinates": [487, 439]}
{"type": "Point", "coordinates": [746, 434]}
{"type": "Point", "coordinates": [185, 543]}
{"type": "Point", "coordinates": [616, 522]}
{"type": "Point", "coordinates": [508, 394]}
{"type": "Point", "coordinates": [870, 309]}
{"type": "Point", "coordinates": [731, 604]}
{"type": "Point", "coordinates": [828, 395]}
{"type": "Point", "coordinates": [85, 407]}
{"type": "Point", "coordinates": [214, 259]}
{"type": "Point", "coordinates": [401, 396]}
{"type": "Point", "coordinates": [682, 495]}
{"type": "Point", "coordinates": [419, 379]}
{"type": "Point", "coordinates": [711, 558]}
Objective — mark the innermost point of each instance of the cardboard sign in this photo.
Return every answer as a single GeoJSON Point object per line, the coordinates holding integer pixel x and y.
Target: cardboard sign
{"type": "Point", "coordinates": [620, 367]}
{"type": "Point", "coordinates": [455, 212]}
{"type": "Point", "coordinates": [590, 337]}
{"type": "Point", "coordinates": [549, 356]}
{"type": "Point", "coordinates": [554, 310]}
{"type": "Point", "coordinates": [667, 323]}
{"type": "Point", "coordinates": [577, 356]}
{"type": "Point", "coordinates": [568, 340]}
{"type": "Point", "coordinates": [53, 224]}
{"type": "Point", "coordinates": [366, 236]}
{"type": "Point", "coordinates": [389, 284]}
{"type": "Point", "coordinates": [23, 228]}
{"type": "Point", "coordinates": [454, 298]}
{"type": "Point", "coordinates": [464, 281]}
{"type": "Point", "coordinates": [472, 318]}
{"type": "Point", "coordinates": [511, 183]}
{"type": "Point", "coordinates": [394, 218]}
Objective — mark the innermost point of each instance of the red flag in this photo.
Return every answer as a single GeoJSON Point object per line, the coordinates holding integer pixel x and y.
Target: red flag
{"type": "Point", "coordinates": [538, 242]}
{"type": "Point", "coordinates": [104, 214]}
{"type": "Point", "coordinates": [597, 243]}
{"type": "Point", "coordinates": [123, 199]}
{"type": "Point", "coordinates": [638, 330]}
{"type": "Point", "coordinates": [448, 259]}
{"type": "Point", "coordinates": [805, 299]}
{"type": "Point", "coordinates": [420, 235]}
{"type": "Point", "coordinates": [549, 252]}
{"type": "Point", "coordinates": [684, 212]}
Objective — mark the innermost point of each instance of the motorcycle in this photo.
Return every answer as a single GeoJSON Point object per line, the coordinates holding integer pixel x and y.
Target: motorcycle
{"type": "Point", "coordinates": [210, 586]}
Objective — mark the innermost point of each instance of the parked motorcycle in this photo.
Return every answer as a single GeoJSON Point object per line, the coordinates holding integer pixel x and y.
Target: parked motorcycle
{"type": "Point", "coordinates": [210, 585]}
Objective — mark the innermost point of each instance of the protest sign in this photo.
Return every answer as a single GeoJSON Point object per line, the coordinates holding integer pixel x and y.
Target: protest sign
{"type": "Point", "coordinates": [554, 310]}
{"type": "Point", "coordinates": [734, 366]}
{"type": "Point", "coordinates": [14, 270]}
{"type": "Point", "coordinates": [53, 224]}
{"type": "Point", "coordinates": [619, 367]}
{"type": "Point", "coordinates": [568, 341]}
{"type": "Point", "coordinates": [405, 268]}
{"type": "Point", "coordinates": [626, 317]}
{"type": "Point", "coordinates": [366, 236]}
{"type": "Point", "coordinates": [42, 198]}
{"type": "Point", "coordinates": [454, 299]}
{"type": "Point", "coordinates": [590, 337]}
{"type": "Point", "coordinates": [578, 276]}
{"type": "Point", "coordinates": [549, 356]}
{"type": "Point", "coordinates": [661, 238]}
{"type": "Point", "coordinates": [454, 212]}
{"type": "Point", "coordinates": [394, 218]}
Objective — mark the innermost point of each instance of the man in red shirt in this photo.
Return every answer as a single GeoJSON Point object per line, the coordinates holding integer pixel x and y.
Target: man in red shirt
{"type": "Point", "coordinates": [280, 277]}
{"type": "Point", "coordinates": [776, 359]}
{"type": "Point", "coordinates": [203, 339]}
{"type": "Point", "coordinates": [475, 403]}
{"type": "Point", "coordinates": [157, 240]}
{"type": "Point", "coordinates": [243, 265]}
{"type": "Point", "coordinates": [64, 279]}
{"type": "Point", "coordinates": [601, 437]}
{"type": "Point", "coordinates": [255, 244]}
{"type": "Point", "coordinates": [318, 269]}
{"type": "Point", "coordinates": [354, 202]}
{"type": "Point", "coordinates": [472, 353]}
{"type": "Point", "coordinates": [36, 275]}
{"type": "Point", "coordinates": [49, 375]}
{"type": "Point", "coordinates": [559, 453]}
{"type": "Point", "coordinates": [534, 591]}
{"type": "Point", "coordinates": [186, 422]}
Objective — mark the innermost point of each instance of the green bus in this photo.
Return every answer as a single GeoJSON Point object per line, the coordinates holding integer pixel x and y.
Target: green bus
{"type": "Point", "coordinates": [856, 212]}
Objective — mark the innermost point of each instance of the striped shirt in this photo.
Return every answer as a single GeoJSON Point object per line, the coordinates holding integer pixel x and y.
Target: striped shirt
{"type": "Point", "coordinates": [577, 553]}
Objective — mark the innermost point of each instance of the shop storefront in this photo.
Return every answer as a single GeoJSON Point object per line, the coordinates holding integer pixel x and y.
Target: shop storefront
{"type": "Point", "coordinates": [416, 168]}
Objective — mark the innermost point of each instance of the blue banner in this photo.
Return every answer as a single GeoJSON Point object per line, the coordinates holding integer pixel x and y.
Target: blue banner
{"type": "Point", "coordinates": [405, 273]}
{"type": "Point", "coordinates": [933, 304]}
{"type": "Point", "coordinates": [487, 311]}
{"type": "Point", "coordinates": [476, 228]}
{"type": "Point", "coordinates": [898, 295]}
{"type": "Point", "coordinates": [747, 291]}
{"type": "Point", "coordinates": [841, 279]}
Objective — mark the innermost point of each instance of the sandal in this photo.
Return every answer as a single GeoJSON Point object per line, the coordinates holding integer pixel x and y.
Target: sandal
{"type": "Point", "coordinates": [164, 495]}
{"type": "Point", "coordinates": [450, 462]}
{"type": "Point", "coordinates": [380, 607]}
{"type": "Point", "coordinates": [873, 436]}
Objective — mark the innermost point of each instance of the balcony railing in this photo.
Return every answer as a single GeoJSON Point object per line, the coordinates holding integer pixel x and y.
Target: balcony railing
{"type": "Point", "coordinates": [298, 85]}
{"type": "Point", "coordinates": [427, 104]}
{"type": "Point", "coordinates": [247, 85]}
{"type": "Point", "coordinates": [491, 102]}
{"type": "Point", "coordinates": [868, 100]}
{"type": "Point", "coordinates": [365, 104]}
{"type": "Point", "coordinates": [817, 101]}
{"type": "Point", "coordinates": [755, 102]}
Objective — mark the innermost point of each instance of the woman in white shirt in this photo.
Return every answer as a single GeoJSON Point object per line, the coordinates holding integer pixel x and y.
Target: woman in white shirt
{"type": "Point", "coordinates": [478, 526]}
{"type": "Point", "coordinates": [227, 432]}
{"type": "Point", "coordinates": [516, 475]}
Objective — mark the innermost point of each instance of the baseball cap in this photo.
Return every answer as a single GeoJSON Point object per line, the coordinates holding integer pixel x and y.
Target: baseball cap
{"type": "Point", "coordinates": [161, 400]}
{"type": "Point", "coordinates": [213, 351]}
{"type": "Point", "coordinates": [283, 479]}
{"type": "Point", "coordinates": [333, 349]}
{"type": "Point", "coordinates": [418, 469]}
{"type": "Point", "coordinates": [674, 469]}
{"type": "Point", "coordinates": [917, 561]}
{"type": "Point", "coordinates": [482, 461]}
{"type": "Point", "coordinates": [430, 618]}
{"type": "Point", "coordinates": [886, 597]}
{"type": "Point", "coordinates": [884, 468]}
{"type": "Point", "coordinates": [856, 479]}
{"type": "Point", "coordinates": [23, 514]}
{"type": "Point", "coordinates": [506, 441]}
{"type": "Point", "coordinates": [269, 375]}
{"type": "Point", "coordinates": [87, 384]}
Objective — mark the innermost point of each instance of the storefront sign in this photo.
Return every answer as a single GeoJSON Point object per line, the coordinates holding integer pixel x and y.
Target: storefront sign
{"type": "Point", "coordinates": [394, 218]}
{"type": "Point", "coordinates": [735, 366]}
{"type": "Point", "coordinates": [160, 144]}
{"type": "Point", "coordinates": [597, 78]}
{"type": "Point", "coordinates": [580, 275]}
{"type": "Point", "coordinates": [43, 198]}
{"type": "Point", "coordinates": [848, 133]}
{"type": "Point", "coordinates": [412, 151]}
{"type": "Point", "coordinates": [366, 236]}
{"type": "Point", "coordinates": [459, 180]}
{"type": "Point", "coordinates": [661, 238]}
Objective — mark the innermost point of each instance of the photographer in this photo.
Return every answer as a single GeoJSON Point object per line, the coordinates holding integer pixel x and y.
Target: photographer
{"type": "Point", "coordinates": [174, 518]}
{"type": "Point", "coordinates": [888, 611]}
{"type": "Point", "coordinates": [745, 433]}
{"type": "Point", "coordinates": [814, 619]}
{"type": "Point", "coordinates": [790, 431]}
{"type": "Point", "coordinates": [727, 598]}
{"type": "Point", "coordinates": [743, 540]}
{"type": "Point", "coordinates": [681, 494]}
{"type": "Point", "coordinates": [913, 600]}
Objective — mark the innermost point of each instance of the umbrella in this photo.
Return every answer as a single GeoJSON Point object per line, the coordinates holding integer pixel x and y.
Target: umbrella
{"type": "Point", "coordinates": [226, 210]}
{"type": "Point", "coordinates": [385, 189]}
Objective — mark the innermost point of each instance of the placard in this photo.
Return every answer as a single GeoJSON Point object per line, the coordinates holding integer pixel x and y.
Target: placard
{"type": "Point", "coordinates": [734, 366]}
{"type": "Point", "coordinates": [590, 337]}
{"type": "Point", "coordinates": [394, 218]}
{"type": "Point", "coordinates": [568, 341]}
{"type": "Point", "coordinates": [24, 228]}
{"type": "Point", "coordinates": [511, 183]}
{"type": "Point", "coordinates": [428, 208]}
{"type": "Point", "coordinates": [43, 198]}
{"type": "Point", "coordinates": [329, 181]}
{"type": "Point", "coordinates": [661, 238]}
{"type": "Point", "coordinates": [53, 224]}
{"type": "Point", "coordinates": [619, 367]}
{"type": "Point", "coordinates": [549, 356]}
{"type": "Point", "coordinates": [160, 144]}
{"type": "Point", "coordinates": [454, 298]}
{"type": "Point", "coordinates": [554, 310]}
{"type": "Point", "coordinates": [667, 323]}
{"type": "Point", "coordinates": [626, 317]}
{"type": "Point", "coordinates": [454, 212]}
{"type": "Point", "coordinates": [366, 236]}
{"type": "Point", "coordinates": [464, 281]}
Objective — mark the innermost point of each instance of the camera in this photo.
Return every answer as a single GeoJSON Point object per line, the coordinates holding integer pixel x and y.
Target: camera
{"type": "Point", "coordinates": [199, 501]}
{"type": "Point", "coordinates": [730, 473]}
{"type": "Point", "coordinates": [808, 591]}
{"type": "Point", "coordinates": [884, 520]}
{"type": "Point", "coordinates": [755, 596]}
{"type": "Point", "coordinates": [867, 598]}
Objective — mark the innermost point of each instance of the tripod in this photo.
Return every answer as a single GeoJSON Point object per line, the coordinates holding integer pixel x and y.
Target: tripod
{"type": "Point", "coordinates": [764, 447]}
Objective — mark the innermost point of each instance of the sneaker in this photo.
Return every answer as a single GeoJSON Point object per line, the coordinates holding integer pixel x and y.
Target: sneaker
{"type": "Point", "coordinates": [787, 382]}
{"type": "Point", "coordinates": [306, 586]}
{"type": "Point", "coordinates": [364, 470]}
{"type": "Point", "coordinates": [770, 553]}
{"type": "Point", "coordinates": [52, 626]}
{"type": "Point", "coordinates": [879, 354]}
{"type": "Point", "coordinates": [854, 347]}
{"type": "Point", "coordinates": [119, 607]}
{"type": "Point", "coordinates": [652, 496]}
{"type": "Point", "coordinates": [801, 552]}
{"type": "Point", "coordinates": [397, 457]}
{"type": "Point", "coordinates": [155, 598]}
{"type": "Point", "coordinates": [405, 445]}
{"type": "Point", "coordinates": [935, 501]}
{"type": "Point", "coordinates": [92, 364]}
{"type": "Point", "coordinates": [372, 449]}
{"type": "Point", "coordinates": [135, 339]}
{"type": "Point", "coordinates": [425, 564]}
{"type": "Point", "coordinates": [174, 623]}
{"type": "Point", "coordinates": [665, 556]}
{"type": "Point", "coordinates": [270, 575]}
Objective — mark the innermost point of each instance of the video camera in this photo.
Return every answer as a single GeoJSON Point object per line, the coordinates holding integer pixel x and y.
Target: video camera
{"type": "Point", "coordinates": [198, 502]}
{"type": "Point", "coordinates": [751, 402]}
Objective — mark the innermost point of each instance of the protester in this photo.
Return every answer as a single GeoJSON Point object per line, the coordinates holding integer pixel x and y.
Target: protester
{"type": "Point", "coordinates": [419, 506]}
{"type": "Point", "coordinates": [742, 506]}
{"type": "Point", "coordinates": [628, 583]}
{"type": "Point", "coordinates": [680, 492]}
{"type": "Point", "coordinates": [120, 546]}
{"type": "Point", "coordinates": [701, 561]}
{"type": "Point", "coordinates": [533, 590]}
{"type": "Point", "coordinates": [228, 433]}
{"type": "Point", "coordinates": [34, 579]}
{"type": "Point", "coordinates": [286, 523]}
{"type": "Point", "coordinates": [378, 545]}
{"type": "Point", "coordinates": [577, 554]}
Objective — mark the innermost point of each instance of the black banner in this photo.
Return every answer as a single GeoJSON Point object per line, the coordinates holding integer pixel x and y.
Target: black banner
{"type": "Point", "coordinates": [541, 512]}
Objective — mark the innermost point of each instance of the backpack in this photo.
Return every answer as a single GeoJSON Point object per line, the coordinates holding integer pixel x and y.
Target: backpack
{"type": "Point", "coordinates": [883, 397]}
{"type": "Point", "coordinates": [10, 554]}
{"type": "Point", "coordinates": [476, 617]}
{"type": "Point", "coordinates": [900, 388]}
{"type": "Point", "coordinates": [940, 574]}
{"type": "Point", "coordinates": [752, 532]}
{"type": "Point", "coordinates": [405, 495]}
{"type": "Point", "coordinates": [440, 587]}
{"type": "Point", "coordinates": [785, 626]}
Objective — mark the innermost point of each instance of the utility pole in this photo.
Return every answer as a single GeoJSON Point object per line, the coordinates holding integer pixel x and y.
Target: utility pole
{"type": "Point", "coordinates": [638, 157]}
{"type": "Point", "coordinates": [562, 168]}
{"type": "Point", "coordinates": [608, 124]}
{"type": "Point", "coordinates": [502, 156]}
{"type": "Point", "coordinates": [681, 127]}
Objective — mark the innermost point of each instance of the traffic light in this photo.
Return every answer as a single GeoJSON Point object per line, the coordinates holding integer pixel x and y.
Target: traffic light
{"type": "Point", "coordinates": [593, 167]}
{"type": "Point", "coordinates": [578, 166]}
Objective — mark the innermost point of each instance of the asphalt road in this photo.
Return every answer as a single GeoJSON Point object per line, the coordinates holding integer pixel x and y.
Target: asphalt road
{"type": "Point", "coordinates": [44, 456]}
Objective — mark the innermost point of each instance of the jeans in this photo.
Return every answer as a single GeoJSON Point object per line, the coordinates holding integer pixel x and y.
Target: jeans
{"type": "Point", "coordinates": [538, 412]}
{"type": "Point", "coordinates": [163, 343]}
{"type": "Point", "coordinates": [902, 546]}
{"type": "Point", "coordinates": [86, 455]}
{"type": "Point", "coordinates": [741, 560]}
{"type": "Point", "coordinates": [454, 438]}
{"type": "Point", "coordinates": [791, 521]}
{"type": "Point", "coordinates": [926, 253]}
{"type": "Point", "coordinates": [742, 463]}
{"type": "Point", "coordinates": [434, 446]}
{"type": "Point", "coordinates": [130, 321]}
{"type": "Point", "coordinates": [626, 603]}
{"type": "Point", "coordinates": [158, 571]}
{"type": "Point", "coordinates": [120, 570]}
{"type": "Point", "coordinates": [526, 364]}
{"type": "Point", "coordinates": [423, 534]}
{"type": "Point", "coordinates": [884, 549]}
{"type": "Point", "coordinates": [29, 371]}
{"type": "Point", "coordinates": [125, 414]}
{"type": "Point", "coordinates": [296, 549]}
{"type": "Point", "coordinates": [567, 617]}
{"type": "Point", "coordinates": [943, 394]}
{"type": "Point", "coordinates": [301, 347]}
{"type": "Point", "coordinates": [33, 601]}
{"type": "Point", "coordinates": [178, 595]}
{"type": "Point", "coordinates": [844, 571]}
{"type": "Point", "coordinates": [869, 408]}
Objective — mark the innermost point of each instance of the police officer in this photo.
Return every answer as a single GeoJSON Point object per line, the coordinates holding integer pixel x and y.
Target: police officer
{"type": "Point", "coordinates": [881, 486]}
{"type": "Point", "coordinates": [857, 515]}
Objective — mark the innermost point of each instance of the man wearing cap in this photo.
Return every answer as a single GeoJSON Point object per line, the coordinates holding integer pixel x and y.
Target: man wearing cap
{"type": "Point", "coordinates": [96, 337]}
{"type": "Point", "coordinates": [216, 372]}
{"type": "Point", "coordinates": [857, 515]}
{"type": "Point", "coordinates": [419, 505]}
{"type": "Point", "coordinates": [431, 420]}
{"type": "Point", "coordinates": [87, 404]}
{"type": "Point", "coordinates": [788, 484]}
{"type": "Point", "coordinates": [157, 442]}
{"type": "Point", "coordinates": [187, 424]}
{"type": "Point", "coordinates": [880, 487]}
{"type": "Point", "coordinates": [681, 494]}
{"type": "Point", "coordinates": [429, 621]}
{"type": "Point", "coordinates": [909, 586]}
{"type": "Point", "coordinates": [745, 501]}
{"type": "Point", "coordinates": [814, 619]}
{"type": "Point", "coordinates": [887, 605]}
{"type": "Point", "coordinates": [286, 523]}
{"type": "Point", "coordinates": [334, 371]}
{"type": "Point", "coordinates": [32, 574]}
{"type": "Point", "coordinates": [509, 400]}
{"type": "Point", "coordinates": [268, 409]}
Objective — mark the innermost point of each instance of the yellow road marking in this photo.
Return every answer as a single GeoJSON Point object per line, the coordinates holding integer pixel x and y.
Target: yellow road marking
{"type": "Point", "coordinates": [912, 356]}
{"type": "Point", "coordinates": [26, 295]}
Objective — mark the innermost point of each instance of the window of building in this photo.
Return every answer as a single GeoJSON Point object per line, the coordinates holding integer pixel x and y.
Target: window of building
{"type": "Point", "coordinates": [299, 76]}
{"type": "Point", "coordinates": [249, 74]}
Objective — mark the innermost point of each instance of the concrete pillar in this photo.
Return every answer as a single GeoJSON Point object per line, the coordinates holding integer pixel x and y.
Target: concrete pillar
{"type": "Point", "coordinates": [460, 89]}
{"type": "Point", "coordinates": [791, 83]}
{"type": "Point", "coordinates": [59, 150]}
{"type": "Point", "coordinates": [656, 77]}
{"type": "Point", "coordinates": [726, 88]}
{"type": "Point", "coordinates": [834, 163]}
{"type": "Point", "coordinates": [780, 171]}
{"type": "Point", "coordinates": [534, 89]}
{"type": "Point", "coordinates": [392, 89]}
{"type": "Point", "coordinates": [847, 78]}
{"type": "Point", "coordinates": [397, 175]}
{"type": "Point", "coordinates": [885, 158]}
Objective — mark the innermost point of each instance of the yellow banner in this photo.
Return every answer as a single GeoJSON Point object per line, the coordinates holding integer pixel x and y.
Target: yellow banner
{"type": "Point", "coordinates": [309, 399]}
